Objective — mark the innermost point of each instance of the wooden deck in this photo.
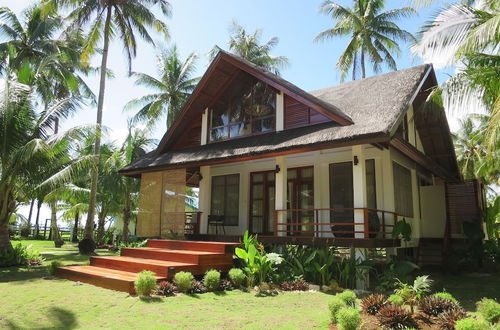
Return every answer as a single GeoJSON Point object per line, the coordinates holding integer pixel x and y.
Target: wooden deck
{"type": "Point", "coordinates": [163, 257]}
{"type": "Point", "coordinates": [305, 240]}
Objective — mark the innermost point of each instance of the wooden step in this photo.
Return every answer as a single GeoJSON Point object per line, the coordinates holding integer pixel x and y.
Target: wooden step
{"type": "Point", "coordinates": [103, 277]}
{"type": "Point", "coordinates": [191, 257]}
{"type": "Point", "coordinates": [220, 247]}
{"type": "Point", "coordinates": [136, 265]}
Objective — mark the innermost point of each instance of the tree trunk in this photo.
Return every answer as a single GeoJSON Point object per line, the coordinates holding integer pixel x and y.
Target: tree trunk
{"type": "Point", "coordinates": [126, 219]}
{"type": "Point", "coordinates": [37, 224]}
{"type": "Point", "coordinates": [56, 236]}
{"type": "Point", "coordinates": [31, 212]}
{"type": "Point", "coordinates": [89, 226]}
{"type": "Point", "coordinates": [363, 74]}
{"type": "Point", "coordinates": [100, 227]}
{"type": "Point", "coordinates": [74, 237]}
{"type": "Point", "coordinates": [6, 209]}
{"type": "Point", "coordinates": [4, 236]}
{"type": "Point", "coordinates": [354, 66]}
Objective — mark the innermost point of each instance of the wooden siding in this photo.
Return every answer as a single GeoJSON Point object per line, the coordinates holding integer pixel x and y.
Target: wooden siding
{"type": "Point", "coordinates": [299, 115]}
{"type": "Point", "coordinates": [464, 203]}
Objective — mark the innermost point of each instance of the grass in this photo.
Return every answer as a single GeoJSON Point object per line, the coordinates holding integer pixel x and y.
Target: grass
{"type": "Point", "coordinates": [30, 301]}
{"type": "Point", "coordinates": [35, 302]}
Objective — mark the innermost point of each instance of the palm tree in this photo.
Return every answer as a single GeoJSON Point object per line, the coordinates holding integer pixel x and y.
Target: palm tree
{"type": "Point", "coordinates": [172, 87]}
{"type": "Point", "coordinates": [40, 57]}
{"type": "Point", "coordinates": [105, 20]}
{"type": "Point", "coordinates": [467, 35]}
{"type": "Point", "coordinates": [249, 47]}
{"type": "Point", "coordinates": [372, 34]}
{"type": "Point", "coordinates": [474, 160]}
{"type": "Point", "coordinates": [26, 143]}
{"type": "Point", "coordinates": [136, 144]}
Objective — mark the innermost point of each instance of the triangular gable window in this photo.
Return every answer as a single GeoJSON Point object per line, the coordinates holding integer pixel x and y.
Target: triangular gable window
{"type": "Point", "coordinates": [246, 107]}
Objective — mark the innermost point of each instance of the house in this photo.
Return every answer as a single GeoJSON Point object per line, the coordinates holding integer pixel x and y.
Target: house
{"type": "Point", "coordinates": [337, 166]}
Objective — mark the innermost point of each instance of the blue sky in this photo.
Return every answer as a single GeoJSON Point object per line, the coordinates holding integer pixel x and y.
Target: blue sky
{"type": "Point", "coordinates": [197, 25]}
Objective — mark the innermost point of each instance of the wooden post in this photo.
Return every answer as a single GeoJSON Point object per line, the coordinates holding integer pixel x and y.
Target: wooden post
{"type": "Point", "coordinates": [367, 227]}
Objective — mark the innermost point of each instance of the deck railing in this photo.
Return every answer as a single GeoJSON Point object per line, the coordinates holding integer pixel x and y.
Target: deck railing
{"type": "Point", "coordinates": [335, 222]}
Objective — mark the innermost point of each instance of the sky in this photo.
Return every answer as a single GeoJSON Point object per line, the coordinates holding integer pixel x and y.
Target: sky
{"type": "Point", "coordinates": [198, 25]}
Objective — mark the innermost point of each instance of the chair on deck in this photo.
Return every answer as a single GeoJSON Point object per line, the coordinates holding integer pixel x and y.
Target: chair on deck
{"type": "Point", "coordinates": [216, 221]}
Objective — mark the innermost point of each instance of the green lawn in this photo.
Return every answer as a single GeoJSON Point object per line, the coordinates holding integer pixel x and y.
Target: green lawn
{"type": "Point", "coordinates": [33, 302]}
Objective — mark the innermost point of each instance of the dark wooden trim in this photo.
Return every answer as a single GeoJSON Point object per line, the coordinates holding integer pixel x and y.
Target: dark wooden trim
{"type": "Point", "coordinates": [414, 154]}
{"type": "Point", "coordinates": [319, 146]}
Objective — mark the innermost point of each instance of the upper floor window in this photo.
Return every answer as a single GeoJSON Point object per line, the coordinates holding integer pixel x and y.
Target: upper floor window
{"type": "Point", "coordinates": [247, 107]}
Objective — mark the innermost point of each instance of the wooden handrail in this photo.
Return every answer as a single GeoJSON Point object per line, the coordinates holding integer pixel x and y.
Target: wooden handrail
{"type": "Point", "coordinates": [316, 223]}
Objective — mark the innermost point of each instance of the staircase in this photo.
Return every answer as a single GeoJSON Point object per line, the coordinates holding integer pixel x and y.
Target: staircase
{"type": "Point", "coordinates": [163, 257]}
{"type": "Point", "coordinates": [430, 252]}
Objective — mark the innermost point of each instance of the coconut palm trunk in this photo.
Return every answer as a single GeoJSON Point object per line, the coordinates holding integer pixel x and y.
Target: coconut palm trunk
{"type": "Point", "coordinates": [31, 212]}
{"type": "Point", "coordinates": [89, 226]}
{"type": "Point", "coordinates": [100, 227]}
{"type": "Point", "coordinates": [56, 235]}
{"type": "Point", "coordinates": [362, 60]}
{"type": "Point", "coordinates": [74, 237]}
{"type": "Point", "coordinates": [37, 219]}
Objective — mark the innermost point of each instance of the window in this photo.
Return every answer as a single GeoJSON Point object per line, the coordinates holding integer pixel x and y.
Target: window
{"type": "Point", "coordinates": [247, 107]}
{"type": "Point", "coordinates": [403, 193]}
{"type": "Point", "coordinates": [371, 187]}
{"type": "Point", "coordinates": [226, 197]}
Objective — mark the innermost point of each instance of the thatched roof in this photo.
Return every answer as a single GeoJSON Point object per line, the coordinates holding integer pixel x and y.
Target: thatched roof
{"type": "Point", "coordinates": [375, 105]}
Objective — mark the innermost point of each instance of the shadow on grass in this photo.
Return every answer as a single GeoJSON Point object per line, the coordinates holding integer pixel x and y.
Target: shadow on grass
{"type": "Point", "coordinates": [151, 300]}
{"type": "Point", "coordinates": [59, 318]}
{"type": "Point", "coordinates": [220, 293]}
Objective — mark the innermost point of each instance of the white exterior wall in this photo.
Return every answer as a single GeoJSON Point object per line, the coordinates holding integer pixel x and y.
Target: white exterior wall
{"type": "Point", "coordinates": [320, 160]}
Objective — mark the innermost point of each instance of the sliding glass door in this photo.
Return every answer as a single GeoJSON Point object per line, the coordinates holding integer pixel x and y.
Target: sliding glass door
{"type": "Point", "coordinates": [342, 198]}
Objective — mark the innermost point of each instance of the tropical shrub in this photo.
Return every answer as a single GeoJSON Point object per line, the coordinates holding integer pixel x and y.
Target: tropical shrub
{"type": "Point", "coordinates": [145, 283]}
{"type": "Point", "coordinates": [51, 268]}
{"type": "Point", "coordinates": [258, 265]}
{"type": "Point", "coordinates": [470, 323]}
{"type": "Point", "coordinates": [433, 306]}
{"type": "Point", "coordinates": [414, 292]}
{"type": "Point", "coordinates": [226, 285]}
{"type": "Point", "coordinates": [211, 280]}
{"type": "Point", "coordinates": [197, 287]}
{"type": "Point", "coordinates": [395, 317]}
{"type": "Point", "coordinates": [237, 277]}
{"type": "Point", "coordinates": [348, 296]}
{"type": "Point", "coordinates": [166, 288]}
{"type": "Point", "coordinates": [373, 303]}
{"type": "Point", "coordinates": [299, 285]}
{"type": "Point", "coordinates": [489, 309]}
{"type": "Point", "coordinates": [20, 255]}
{"type": "Point", "coordinates": [335, 305]}
{"type": "Point", "coordinates": [348, 318]}
{"type": "Point", "coordinates": [396, 299]}
{"type": "Point", "coordinates": [183, 281]}
{"type": "Point", "coordinates": [448, 319]}
{"type": "Point", "coordinates": [447, 296]}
